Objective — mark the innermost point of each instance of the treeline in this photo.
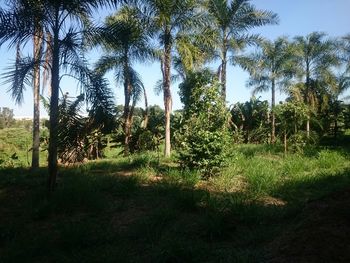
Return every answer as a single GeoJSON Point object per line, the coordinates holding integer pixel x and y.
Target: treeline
{"type": "Point", "coordinates": [7, 120]}
{"type": "Point", "coordinates": [185, 36]}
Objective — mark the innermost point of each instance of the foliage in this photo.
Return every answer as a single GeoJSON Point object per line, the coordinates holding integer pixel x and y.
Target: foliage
{"type": "Point", "coordinates": [251, 121]}
{"type": "Point", "coordinates": [6, 117]}
{"type": "Point", "coordinates": [317, 58]}
{"type": "Point", "coordinates": [124, 39]}
{"type": "Point", "coordinates": [270, 68]}
{"type": "Point", "coordinates": [205, 130]}
{"type": "Point", "coordinates": [229, 23]}
{"type": "Point", "coordinates": [79, 137]}
{"type": "Point", "coordinates": [64, 22]}
{"type": "Point", "coordinates": [290, 117]}
{"type": "Point", "coordinates": [167, 21]}
{"type": "Point", "coordinates": [14, 147]}
{"type": "Point", "coordinates": [142, 138]}
{"type": "Point", "coordinates": [172, 214]}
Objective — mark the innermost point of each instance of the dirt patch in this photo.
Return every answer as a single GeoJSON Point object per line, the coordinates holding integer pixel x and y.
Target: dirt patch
{"type": "Point", "coordinates": [323, 235]}
{"type": "Point", "coordinates": [124, 173]}
{"type": "Point", "coordinates": [123, 219]}
{"type": "Point", "coordinates": [272, 201]}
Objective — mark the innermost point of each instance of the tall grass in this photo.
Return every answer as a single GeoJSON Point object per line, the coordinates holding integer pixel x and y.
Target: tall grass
{"type": "Point", "coordinates": [147, 209]}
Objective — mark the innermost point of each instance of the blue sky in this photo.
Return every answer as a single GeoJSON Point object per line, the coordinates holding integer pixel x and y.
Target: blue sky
{"type": "Point", "coordinates": [297, 17]}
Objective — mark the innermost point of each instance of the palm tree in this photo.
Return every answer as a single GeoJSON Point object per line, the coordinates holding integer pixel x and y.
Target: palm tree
{"type": "Point", "coordinates": [270, 68]}
{"type": "Point", "coordinates": [166, 20]}
{"type": "Point", "coordinates": [230, 22]}
{"type": "Point", "coordinates": [249, 117]}
{"type": "Point", "coordinates": [343, 84]}
{"type": "Point", "coordinates": [345, 51]}
{"type": "Point", "coordinates": [192, 52]}
{"type": "Point", "coordinates": [37, 51]}
{"type": "Point", "coordinates": [316, 57]}
{"type": "Point", "coordinates": [64, 20]}
{"type": "Point", "coordinates": [125, 41]}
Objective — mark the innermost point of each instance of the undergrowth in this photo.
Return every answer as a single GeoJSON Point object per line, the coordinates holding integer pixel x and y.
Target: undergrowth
{"type": "Point", "coordinates": [146, 208]}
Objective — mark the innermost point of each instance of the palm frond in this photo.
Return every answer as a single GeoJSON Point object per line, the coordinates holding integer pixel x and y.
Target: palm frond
{"type": "Point", "coordinates": [19, 76]}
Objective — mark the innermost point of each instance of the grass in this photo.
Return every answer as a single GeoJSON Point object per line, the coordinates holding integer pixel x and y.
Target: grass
{"type": "Point", "coordinates": [146, 209]}
{"type": "Point", "coordinates": [15, 148]}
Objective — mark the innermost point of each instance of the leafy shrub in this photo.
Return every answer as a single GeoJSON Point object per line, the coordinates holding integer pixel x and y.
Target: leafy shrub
{"type": "Point", "coordinates": [204, 135]}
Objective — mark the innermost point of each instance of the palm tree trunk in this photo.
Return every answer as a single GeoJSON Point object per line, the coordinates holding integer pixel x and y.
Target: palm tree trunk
{"type": "Point", "coordinates": [167, 92]}
{"type": "Point", "coordinates": [273, 117]}
{"type": "Point", "coordinates": [55, 71]}
{"type": "Point", "coordinates": [145, 118]}
{"type": "Point", "coordinates": [307, 99]}
{"type": "Point", "coordinates": [223, 70]}
{"type": "Point", "coordinates": [36, 92]}
{"type": "Point", "coordinates": [127, 124]}
{"type": "Point", "coordinates": [127, 113]}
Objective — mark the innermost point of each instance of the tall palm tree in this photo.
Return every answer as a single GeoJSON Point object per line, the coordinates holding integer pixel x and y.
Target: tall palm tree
{"type": "Point", "coordinates": [37, 51]}
{"type": "Point", "coordinates": [166, 20]}
{"type": "Point", "coordinates": [270, 68]}
{"type": "Point", "coordinates": [125, 41]}
{"type": "Point", "coordinates": [230, 22]}
{"type": "Point", "coordinates": [64, 20]}
{"type": "Point", "coordinates": [317, 56]}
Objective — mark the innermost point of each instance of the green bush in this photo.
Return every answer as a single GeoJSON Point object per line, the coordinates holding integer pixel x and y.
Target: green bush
{"type": "Point", "coordinates": [204, 135]}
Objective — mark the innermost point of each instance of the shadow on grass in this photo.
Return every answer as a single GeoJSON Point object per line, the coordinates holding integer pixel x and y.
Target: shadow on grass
{"type": "Point", "coordinates": [96, 216]}
{"type": "Point", "coordinates": [251, 150]}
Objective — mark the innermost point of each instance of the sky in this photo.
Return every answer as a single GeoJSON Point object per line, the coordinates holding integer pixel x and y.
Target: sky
{"type": "Point", "coordinates": [297, 17]}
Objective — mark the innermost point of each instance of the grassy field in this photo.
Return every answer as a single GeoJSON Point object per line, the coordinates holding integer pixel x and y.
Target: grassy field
{"type": "Point", "coordinates": [15, 148]}
{"type": "Point", "coordinates": [264, 207]}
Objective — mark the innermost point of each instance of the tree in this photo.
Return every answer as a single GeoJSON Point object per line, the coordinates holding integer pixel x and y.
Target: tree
{"type": "Point", "coordinates": [166, 20]}
{"type": "Point", "coordinates": [125, 41]}
{"type": "Point", "coordinates": [230, 22]}
{"type": "Point", "coordinates": [316, 57]}
{"type": "Point", "coordinates": [6, 117]}
{"type": "Point", "coordinates": [290, 116]}
{"type": "Point", "coordinates": [64, 20]}
{"type": "Point", "coordinates": [204, 135]}
{"type": "Point", "coordinates": [336, 104]}
{"type": "Point", "coordinates": [270, 68]}
{"type": "Point", "coordinates": [37, 52]}
{"type": "Point", "coordinates": [251, 118]}
{"type": "Point", "coordinates": [344, 47]}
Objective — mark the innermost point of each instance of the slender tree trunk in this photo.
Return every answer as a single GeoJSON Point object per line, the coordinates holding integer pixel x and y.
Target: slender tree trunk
{"type": "Point", "coordinates": [308, 126]}
{"type": "Point", "coordinates": [166, 91]}
{"type": "Point", "coordinates": [307, 99]}
{"type": "Point", "coordinates": [55, 71]}
{"type": "Point", "coordinates": [223, 69]}
{"type": "Point", "coordinates": [273, 117]}
{"type": "Point", "coordinates": [336, 120]}
{"type": "Point", "coordinates": [127, 123]}
{"type": "Point", "coordinates": [127, 113]}
{"type": "Point", "coordinates": [285, 142]}
{"type": "Point", "coordinates": [145, 117]}
{"type": "Point", "coordinates": [131, 114]}
{"type": "Point", "coordinates": [36, 94]}
{"type": "Point", "coordinates": [47, 63]}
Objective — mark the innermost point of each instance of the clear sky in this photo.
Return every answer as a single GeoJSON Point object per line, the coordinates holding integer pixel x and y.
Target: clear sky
{"type": "Point", "coordinates": [297, 17]}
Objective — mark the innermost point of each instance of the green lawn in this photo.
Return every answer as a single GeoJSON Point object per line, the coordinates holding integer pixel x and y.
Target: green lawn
{"type": "Point", "coordinates": [145, 209]}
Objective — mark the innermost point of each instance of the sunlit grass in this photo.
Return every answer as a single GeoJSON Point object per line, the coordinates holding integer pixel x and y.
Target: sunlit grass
{"type": "Point", "coordinates": [145, 208]}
